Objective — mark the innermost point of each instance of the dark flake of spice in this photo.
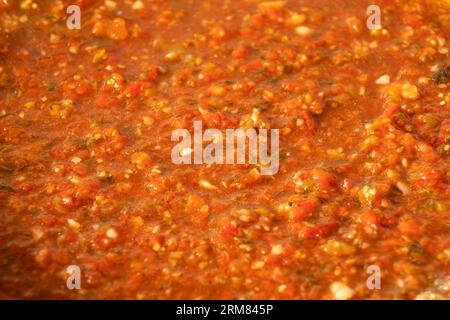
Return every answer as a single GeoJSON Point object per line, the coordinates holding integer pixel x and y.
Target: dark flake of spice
{"type": "Point", "coordinates": [442, 75]}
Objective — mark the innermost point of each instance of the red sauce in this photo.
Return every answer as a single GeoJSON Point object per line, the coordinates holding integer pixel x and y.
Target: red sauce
{"type": "Point", "coordinates": [86, 176]}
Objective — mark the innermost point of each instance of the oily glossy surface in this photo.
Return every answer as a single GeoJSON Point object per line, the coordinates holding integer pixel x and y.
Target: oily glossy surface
{"type": "Point", "coordinates": [86, 176]}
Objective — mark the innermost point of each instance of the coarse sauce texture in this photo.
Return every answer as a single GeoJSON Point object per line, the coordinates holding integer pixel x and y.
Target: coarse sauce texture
{"type": "Point", "coordinates": [86, 176]}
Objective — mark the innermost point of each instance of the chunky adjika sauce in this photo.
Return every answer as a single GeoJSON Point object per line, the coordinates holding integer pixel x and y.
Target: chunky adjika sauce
{"type": "Point", "coordinates": [86, 176]}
